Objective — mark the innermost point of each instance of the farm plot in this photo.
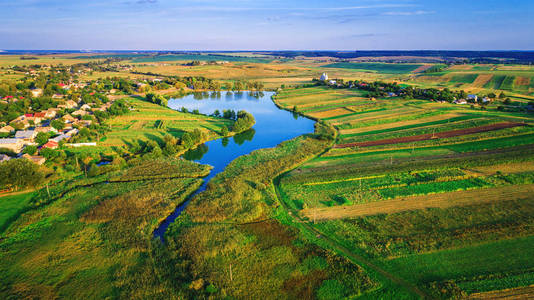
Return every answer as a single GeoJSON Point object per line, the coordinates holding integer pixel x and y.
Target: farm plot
{"type": "Point", "coordinates": [464, 78]}
{"type": "Point", "coordinates": [403, 124]}
{"type": "Point", "coordinates": [378, 114]}
{"type": "Point", "coordinates": [349, 103]}
{"type": "Point", "coordinates": [330, 113]}
{"type": "Point", "coordinates": [443, 200]}
{"type": "Point", "coordinates": [317, 100]}
{"type": "Point", "coordinates": [429, 128]}
{"type": "Point", "coordinates": [482, 80]}
{"type": "Point", "coordinates": [438, 135]}
{"type": "Point", "coordinates": [495, 82]}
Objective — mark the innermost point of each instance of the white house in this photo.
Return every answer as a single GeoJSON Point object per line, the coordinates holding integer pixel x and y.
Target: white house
{"type": "Point", "coordinates": [27, 135]}
{"type": "Point", "coordinates": [14, 145]}
{"type": "Point", "coordinates": [37, 92]}
{"type": "Point", "coordinates": [472, 97]}
{"type": "Point", "coordinates": [324, 77]}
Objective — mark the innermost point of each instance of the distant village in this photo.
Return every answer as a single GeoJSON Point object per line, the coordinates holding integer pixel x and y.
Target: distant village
{"type": "Point", "coordinates": [381, 89]}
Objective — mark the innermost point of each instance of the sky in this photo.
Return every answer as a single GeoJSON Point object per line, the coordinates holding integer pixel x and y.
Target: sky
{"type": "Point", "coordinates": [267, 25]}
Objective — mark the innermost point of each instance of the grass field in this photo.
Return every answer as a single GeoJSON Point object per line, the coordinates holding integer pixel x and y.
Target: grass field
{"type": "Point", "coordinates": [92, 240]}
{"type": "Point", "coordinates": [12, 207]}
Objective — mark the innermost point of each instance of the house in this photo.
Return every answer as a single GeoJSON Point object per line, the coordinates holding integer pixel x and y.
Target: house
{"type": "Point", "coordinates": [35, 159]}
{"type": "Point", "coordinates": [460, 101]}
{"type": "Point", "coordinates": [84, 123]}
{"type": "Point", "coordinates": [486, 100]}
{"type": "Point", "coordinates": [71, 132]}
{"type": "Point", "coordinates": [51, 112]}
{"type": "Point", "coordinates": [59, 138]}
{"type": "Point", "coordinates": [57, 96]}
{"type": "Point", "coordinates": [18, 123]}
{"type": "Point", "coordinates": [472, 97]}
{"type": "Point", "coordinates": [33, 118]}
{"type": "Point", "coordinates": [4, 157]}
{"type": "Point", "coordinates": [7, 129]}
{"type": "Point", "coordinates": [71, 104]}
{"type": "Point", "coordinates": [390, 94]}
{"type": "Point", "coordinates": [26, 135]}
{"type": "Point", "coordinates": [45, 129]}
{"type": "Point", "coordinates": [85, 107]}
{"type": "Point", "coordinates": [332, 82]}
{"type": "Point", "coordinates": [80, 113]}
{"type": "Point", "coordinates": [50, 145]}
{"type": "Point", "coordinates": [68, 118]}
{"type": "Point", "coordinates": [324, 77]}
{"type": "Point", "coordinates": [40, 115]}
{"type": "Point", "coordinates": [36, 92]}
{"type": "Point", "coordinates": [14, 145]}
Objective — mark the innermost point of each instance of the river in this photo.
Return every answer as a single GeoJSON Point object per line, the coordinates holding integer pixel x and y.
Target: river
{"type": "Point", "coordinates": [273, 126]}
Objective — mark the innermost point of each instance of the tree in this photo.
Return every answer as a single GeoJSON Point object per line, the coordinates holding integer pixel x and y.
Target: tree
{"type": "Point", "coordinates": [30, 149]}
{"type": "Point", "coordinates": [20, 173]}
{"type": "Point", "coordinates": [156, 99]}
{"type": "Point", "coordinates": [244, 122]}
{"type": "Point", "coordinates": [41, 138]}
{"type": "Point", "coordinates": [58, 124]}
{"type": "Point", "coordinates": [224, 131]}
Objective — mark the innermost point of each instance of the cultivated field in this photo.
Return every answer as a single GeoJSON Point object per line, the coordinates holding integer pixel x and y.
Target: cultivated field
{"type": "Point", "coordinates": [404, 175]}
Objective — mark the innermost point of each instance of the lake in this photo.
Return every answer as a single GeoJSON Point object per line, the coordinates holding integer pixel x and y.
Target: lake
{"type": "Point", "coordinates": [272, 127]}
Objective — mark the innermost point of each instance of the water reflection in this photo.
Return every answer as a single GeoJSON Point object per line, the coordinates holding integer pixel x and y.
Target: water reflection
{"type": "Point", "coordinates": [196, 153]}
{"type": "Point", "coordinates": [244, 136]}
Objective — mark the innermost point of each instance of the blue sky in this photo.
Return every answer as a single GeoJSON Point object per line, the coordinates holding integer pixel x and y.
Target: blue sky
{"type": "Point", "coordinates": [267, 25]}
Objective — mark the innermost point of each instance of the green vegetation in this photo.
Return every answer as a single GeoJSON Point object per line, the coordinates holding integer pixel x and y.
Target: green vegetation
{"type": "Point", "coordinates": [376, 67]}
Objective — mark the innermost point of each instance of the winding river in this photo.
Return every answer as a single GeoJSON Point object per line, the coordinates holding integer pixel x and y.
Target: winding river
{"type": "Point", "coordinates": [273, 126]}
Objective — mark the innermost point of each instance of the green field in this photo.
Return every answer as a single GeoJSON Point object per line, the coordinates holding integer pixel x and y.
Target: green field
{"type": "Point", "coordinates": [376, 67]}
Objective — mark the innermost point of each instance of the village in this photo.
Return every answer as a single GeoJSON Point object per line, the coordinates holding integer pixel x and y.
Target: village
{"type": "Point", "coordinates": [29, 134]}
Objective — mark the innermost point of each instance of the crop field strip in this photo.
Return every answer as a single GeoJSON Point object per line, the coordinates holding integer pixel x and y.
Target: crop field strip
{"type": "Point", "coordinates": [507, 294]}
{"type": "Point", "coordinates": [438, 135]}
{"type": "Point", "coordinates": [411, 130]}
{"type": "Point", "coordinates": [390, 156]}
{"type": "Point", "coordinates": [442, 200]}
{"type": "Point", "coordinates": [371, 115]}
{"type": "Point", "coordinates": [348, 103]}
{"type": "Point", "coordinates": [482, 80]}
{"type": "Point", "coordinates": [393, 125]}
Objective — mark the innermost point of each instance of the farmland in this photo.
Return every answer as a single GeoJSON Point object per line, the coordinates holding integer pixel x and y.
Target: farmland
{"type": "Point", "coordinates": [143, 123]}
{"type": "Point", "coordinates": [402, 174]}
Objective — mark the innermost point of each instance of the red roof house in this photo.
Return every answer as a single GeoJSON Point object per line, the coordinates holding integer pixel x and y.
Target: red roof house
{"type": "Point", "coordinates": [50, 145]}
